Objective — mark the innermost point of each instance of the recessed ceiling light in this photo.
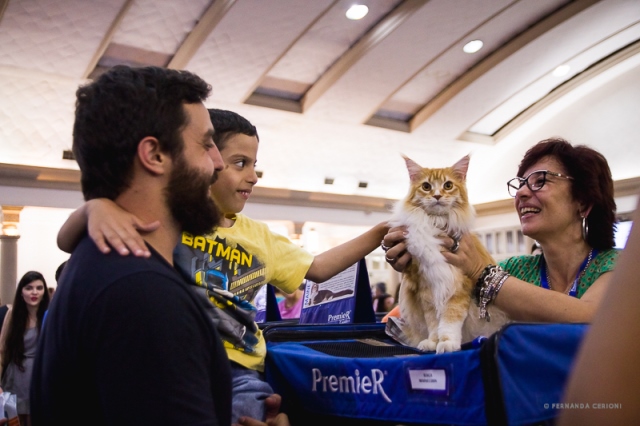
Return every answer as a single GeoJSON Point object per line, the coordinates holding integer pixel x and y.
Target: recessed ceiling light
{"type": "Point", "coordinates": [561, 70]}
{"type": "Point", "coordinates": [473, 46]}
{"type": "Point", "coordinates": [357, 11]}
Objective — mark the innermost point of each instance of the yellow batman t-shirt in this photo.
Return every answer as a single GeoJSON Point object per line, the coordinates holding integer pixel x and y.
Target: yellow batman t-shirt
{"type": "Point", "coordinates": [230, 266]}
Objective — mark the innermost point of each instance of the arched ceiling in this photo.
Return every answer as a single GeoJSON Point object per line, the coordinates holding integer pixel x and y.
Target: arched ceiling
{"type": "Point", "coordinates": [336, 98]}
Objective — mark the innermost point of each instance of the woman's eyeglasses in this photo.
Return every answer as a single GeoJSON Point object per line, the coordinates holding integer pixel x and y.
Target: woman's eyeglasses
{"type": "Point", "coordinates": [535, 181]}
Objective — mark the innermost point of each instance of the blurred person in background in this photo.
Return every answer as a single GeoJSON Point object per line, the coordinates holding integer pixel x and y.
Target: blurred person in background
{"type": "Point", "coordinates": [19, 338]}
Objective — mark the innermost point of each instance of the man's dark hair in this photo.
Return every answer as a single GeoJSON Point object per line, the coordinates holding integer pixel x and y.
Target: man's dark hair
{"type": "Point", "coordinates": [118, 110]}
{"type": "Point", "coordinates": [227, 124]}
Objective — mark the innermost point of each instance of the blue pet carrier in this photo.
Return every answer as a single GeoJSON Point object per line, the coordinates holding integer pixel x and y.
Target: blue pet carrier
{"type": "Point", "coordinates": [354, 374]}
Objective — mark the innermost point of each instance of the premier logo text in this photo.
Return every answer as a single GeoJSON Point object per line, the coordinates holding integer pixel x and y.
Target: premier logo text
{"type": "Point", "coordinates": [350, 384]}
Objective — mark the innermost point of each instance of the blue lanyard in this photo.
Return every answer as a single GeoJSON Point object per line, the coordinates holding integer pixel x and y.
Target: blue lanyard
{"type": "Point", "coordinates": [574, 288]}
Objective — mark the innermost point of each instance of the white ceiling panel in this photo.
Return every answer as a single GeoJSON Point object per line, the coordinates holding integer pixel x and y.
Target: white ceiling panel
{"type": "Point", "coordinates": [424, 36]}
{"type": "Point", "coordinates": [159, 25]}
{"type": "Point", "coordinates": [451, 64]}
{"type": "Point", "coordinates": [328, 39]}
{"type": "Point", "coordinates": [536, 90]}
{"type": "Point", "coordinates": [530, 63]}
{"type": "Point", "coordinates": [54, 36]}
{"type": "Point", "coordinates": [36, 112]}
{"type": "Point", "coordinates": [250, 39]}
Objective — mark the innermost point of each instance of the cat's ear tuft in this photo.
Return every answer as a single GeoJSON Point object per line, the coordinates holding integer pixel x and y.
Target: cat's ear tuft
{"type": "Point", "coordinates": [461, 167]}
{"type": "Point", "coordinates": [413, 167]}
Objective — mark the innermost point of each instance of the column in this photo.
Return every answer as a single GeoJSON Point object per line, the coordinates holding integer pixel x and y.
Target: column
{"type": "Point", "coordinates": [9, 253]}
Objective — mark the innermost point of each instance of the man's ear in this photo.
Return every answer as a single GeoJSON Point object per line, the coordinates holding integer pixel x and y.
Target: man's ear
{"type": "Point", "coordinates": [151, 157]}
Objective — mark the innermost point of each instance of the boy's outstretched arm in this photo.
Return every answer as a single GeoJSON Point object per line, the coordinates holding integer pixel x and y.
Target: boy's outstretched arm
{"type": "Point", "coordinates": [108, 226]}
{"type": "Point", "coordinates": [331, 262]}
{"type": "Point", "coordinates": [73, 229]}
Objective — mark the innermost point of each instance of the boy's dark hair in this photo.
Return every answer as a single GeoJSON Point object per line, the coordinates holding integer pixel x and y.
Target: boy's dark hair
{"type": "Point", "coordinates": [118, 110]}
{"type": "Point", "coordinates": [59, 270]}
{"type": "Point", "coordinates": [228, 123]}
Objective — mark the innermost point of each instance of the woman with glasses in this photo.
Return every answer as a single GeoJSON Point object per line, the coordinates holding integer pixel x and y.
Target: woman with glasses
{"type": "Point", "coordinates": [564, 198]}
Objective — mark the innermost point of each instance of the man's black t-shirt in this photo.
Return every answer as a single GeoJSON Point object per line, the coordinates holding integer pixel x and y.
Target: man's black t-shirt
{"type": "Point", "coordinates": [128, 342]}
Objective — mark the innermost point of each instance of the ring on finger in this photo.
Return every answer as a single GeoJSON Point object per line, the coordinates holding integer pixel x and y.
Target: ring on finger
{"type": "Point", "coordinates": [390, 260]}
{"type": "Point", "coordinates": [456, 245]}
{"type": "Point", "coordinates": [385, 248]}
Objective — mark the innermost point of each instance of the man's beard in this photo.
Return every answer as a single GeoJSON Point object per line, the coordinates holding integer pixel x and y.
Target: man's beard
{"type": "Point", "coordinates": [188, 198]}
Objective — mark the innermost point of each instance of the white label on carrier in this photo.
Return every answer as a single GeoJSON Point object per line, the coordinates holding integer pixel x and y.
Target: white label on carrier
{"type": "Point", "coordinates": [428, 379]}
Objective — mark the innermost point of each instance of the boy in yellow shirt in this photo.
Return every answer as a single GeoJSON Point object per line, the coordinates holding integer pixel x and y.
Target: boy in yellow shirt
{"type": "Point", "coordinates": [233, 263]}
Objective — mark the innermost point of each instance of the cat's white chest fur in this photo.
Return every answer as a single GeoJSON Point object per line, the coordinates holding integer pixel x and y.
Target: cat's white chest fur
{"type": "Point", "coordinates": [425, 305]}
{"type": "Point", "coordinates": [425, 247]}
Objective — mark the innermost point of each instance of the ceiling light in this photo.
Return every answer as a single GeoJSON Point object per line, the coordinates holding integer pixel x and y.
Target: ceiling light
{"type": "Point", "coordinates": [473, 46]}
{"type": "Point", "coordinates": [357, 11]}
{"type": "Point", "coordinates": [561, 70]}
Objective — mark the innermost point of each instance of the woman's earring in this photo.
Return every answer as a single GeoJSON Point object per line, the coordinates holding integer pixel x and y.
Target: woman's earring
{"type": "Point", "coordinates": [585, 228]}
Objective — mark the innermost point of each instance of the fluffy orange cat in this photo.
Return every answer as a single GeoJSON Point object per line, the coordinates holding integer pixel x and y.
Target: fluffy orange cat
{"type": "Point", "coordinates": [435, 297]}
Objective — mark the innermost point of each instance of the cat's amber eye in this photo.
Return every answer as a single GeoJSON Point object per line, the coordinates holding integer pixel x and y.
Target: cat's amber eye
{"type": "Point", "coordinates": [448, 185]}
{"type": "Point", "coordinates": [426, 186]}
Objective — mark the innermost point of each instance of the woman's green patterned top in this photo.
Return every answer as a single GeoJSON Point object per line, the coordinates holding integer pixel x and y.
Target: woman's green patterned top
{"type": "Point", "coordinates": [527, 268]}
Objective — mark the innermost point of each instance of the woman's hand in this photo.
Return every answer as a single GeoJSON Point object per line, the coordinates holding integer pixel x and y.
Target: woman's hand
{"type": "Point", "coordinates": [395, 248]}
{"type": "Point", "coordinates": [466, 256]}
{"type": "Point", "coordinates": [109, 226]}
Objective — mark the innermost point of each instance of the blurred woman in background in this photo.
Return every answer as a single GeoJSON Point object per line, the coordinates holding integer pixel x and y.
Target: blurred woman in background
{"type": "Point", "coordinates": [19, 339]}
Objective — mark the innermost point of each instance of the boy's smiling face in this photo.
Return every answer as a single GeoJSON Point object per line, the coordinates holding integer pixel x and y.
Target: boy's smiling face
{"type": "Point", "coordinates": [235, 183]}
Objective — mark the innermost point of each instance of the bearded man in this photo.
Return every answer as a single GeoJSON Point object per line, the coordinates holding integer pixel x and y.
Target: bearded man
{"type": "Point", "coordinates": [127, 340]}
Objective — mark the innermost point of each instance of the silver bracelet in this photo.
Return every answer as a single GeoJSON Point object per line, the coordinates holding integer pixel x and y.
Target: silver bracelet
{"type": "Point", "coordinates": [490, 286]}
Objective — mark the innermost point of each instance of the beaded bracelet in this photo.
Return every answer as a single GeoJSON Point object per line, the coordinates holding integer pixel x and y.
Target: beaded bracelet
{"type": "Point", "coordinates": [489, 269]}
{"type": "Point", "coordinates": [487, 288]}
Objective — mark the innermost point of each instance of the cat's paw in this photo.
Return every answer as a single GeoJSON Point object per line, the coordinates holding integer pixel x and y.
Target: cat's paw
{"type": "Point", "coordinates": [427, 345]}
{"type": "Point", "coordinates": [447, 346]}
